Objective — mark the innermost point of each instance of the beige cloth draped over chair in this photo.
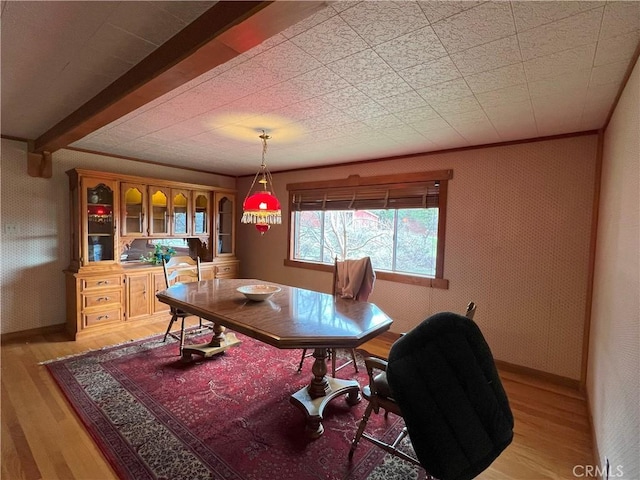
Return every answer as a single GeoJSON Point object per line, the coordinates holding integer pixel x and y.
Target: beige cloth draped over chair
{"type": "Point", "coordinates": [352, 279]}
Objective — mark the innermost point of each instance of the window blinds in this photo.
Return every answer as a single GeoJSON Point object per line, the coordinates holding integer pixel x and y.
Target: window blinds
{"type": "Point", "coordinates": [370, 193]}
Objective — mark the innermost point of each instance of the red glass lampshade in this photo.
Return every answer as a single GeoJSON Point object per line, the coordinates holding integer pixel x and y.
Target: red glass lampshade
{"type": "Point", "coordinates": [262, 204]}
{"type": "Point", "coordinates": [263, 209]}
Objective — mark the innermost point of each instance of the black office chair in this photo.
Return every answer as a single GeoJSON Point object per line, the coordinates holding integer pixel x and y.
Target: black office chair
{"type": "Point", "coordinates": [442, 380]}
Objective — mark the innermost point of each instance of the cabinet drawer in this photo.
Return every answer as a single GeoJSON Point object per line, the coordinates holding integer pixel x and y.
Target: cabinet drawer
{"type": "Point", "coordinates": [93, 283]}
{"type": "Point", "coordinates": [98, 299]}
{"type": "Point", "coordinates": [100, 318]}
{"type": "Point", "coordinates": [227, 271]}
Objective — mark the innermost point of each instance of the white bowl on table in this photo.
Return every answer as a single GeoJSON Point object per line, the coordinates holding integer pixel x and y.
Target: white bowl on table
{"type": "Point", "coordinates": [258, 293]}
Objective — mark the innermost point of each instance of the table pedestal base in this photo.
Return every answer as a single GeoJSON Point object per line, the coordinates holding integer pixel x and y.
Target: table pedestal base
{"type": "Point", "coordinates": [215, 346]}
{"type": "Point", "coordinates": [314, 407]}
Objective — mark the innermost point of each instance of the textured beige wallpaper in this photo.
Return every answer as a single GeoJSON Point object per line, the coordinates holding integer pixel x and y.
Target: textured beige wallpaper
{"type": "Point", "coordinates": [34, 233]}
{"type": "Point", "coordinates": [613, 381]}
{"type": "Point", "coordinates": [518, 227]}
{"type": "Point", "coordinates": [517, 243]}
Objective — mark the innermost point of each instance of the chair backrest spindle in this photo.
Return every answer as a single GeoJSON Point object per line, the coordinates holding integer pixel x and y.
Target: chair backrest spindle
{"type": "Point", "coordinates": [471, 310]}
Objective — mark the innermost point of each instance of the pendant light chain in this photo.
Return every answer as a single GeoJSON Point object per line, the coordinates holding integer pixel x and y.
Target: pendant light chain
{"type": "Point", "coordinates": [263, 172]}
{"type": "Point", "coordinates": [264, 138]}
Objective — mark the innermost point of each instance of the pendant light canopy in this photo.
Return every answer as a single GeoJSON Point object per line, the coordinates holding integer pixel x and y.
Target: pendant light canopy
{"type": "Point", "coordinates": [262, 208]}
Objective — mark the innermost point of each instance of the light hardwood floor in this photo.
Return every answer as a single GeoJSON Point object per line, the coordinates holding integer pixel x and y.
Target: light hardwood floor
{"type": "Point", "coordinates": [43, 439]}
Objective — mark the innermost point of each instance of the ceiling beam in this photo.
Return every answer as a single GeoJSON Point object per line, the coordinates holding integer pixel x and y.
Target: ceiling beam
{"type": "Point", "coordinates": [226, 30]}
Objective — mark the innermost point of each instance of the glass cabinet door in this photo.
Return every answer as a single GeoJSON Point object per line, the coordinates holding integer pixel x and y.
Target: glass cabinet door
{"type": "Point", "coordinates": [99, 242]}
{"type": "Point", "coordinates": [159, 206]}
{"type": "Point", "coordinates": [200, 213]}
{"type": "Point", "coordinates": [225, 212]}
{"type": "Point", "coordinates": [181, 221]}
{"type": "Point", "coordinates": [134, 210]}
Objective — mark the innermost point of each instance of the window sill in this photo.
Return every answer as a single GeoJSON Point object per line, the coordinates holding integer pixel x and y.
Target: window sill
{"type": "Point", "coordinates": [387, 276]}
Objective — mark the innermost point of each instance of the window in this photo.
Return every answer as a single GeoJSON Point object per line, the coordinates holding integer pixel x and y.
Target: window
{"type": "Point", "coordinates": [397, 220]}
{"type": "Point", "coordinates": [177, 243]}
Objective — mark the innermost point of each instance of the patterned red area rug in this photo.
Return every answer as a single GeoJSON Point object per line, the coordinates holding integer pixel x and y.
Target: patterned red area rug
{"type": "Point", "coordinates": [227, 417]}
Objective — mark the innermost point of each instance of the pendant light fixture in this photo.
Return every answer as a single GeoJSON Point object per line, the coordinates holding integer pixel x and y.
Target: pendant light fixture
{"type": "Point", "coordinates": [262, 208]}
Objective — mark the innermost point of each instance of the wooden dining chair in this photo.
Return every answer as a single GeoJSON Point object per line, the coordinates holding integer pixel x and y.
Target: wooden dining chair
{"type": "Point", "coordinates": [181, 269]}
{"type": "Point", "coordinates": [361, 293]}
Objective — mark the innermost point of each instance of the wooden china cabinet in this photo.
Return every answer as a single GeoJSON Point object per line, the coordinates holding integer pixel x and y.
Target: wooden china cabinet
{"type": "Point", "coordinates": [225, 214]}
{"type": "Point", "coordinates": [134, 201]}
{"type": "Point", "coordinates": [105, 288]}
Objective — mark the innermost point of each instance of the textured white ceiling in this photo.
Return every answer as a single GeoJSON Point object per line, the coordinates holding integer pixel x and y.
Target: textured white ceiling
{"type": "Point", "coordinates": [354, 81]}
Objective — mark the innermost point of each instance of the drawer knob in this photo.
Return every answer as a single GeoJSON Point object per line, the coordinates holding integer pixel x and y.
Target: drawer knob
{"type": "Point", "coordinates": [103, 282]}
{"type": "Point", "coordinates": [103, 299]}
{"type": "Point", "coordinates": [103, 317]}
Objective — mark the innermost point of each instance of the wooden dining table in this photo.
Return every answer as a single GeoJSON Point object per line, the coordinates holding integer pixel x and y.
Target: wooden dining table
{"type": "Point", "coordinates": [293, 318]}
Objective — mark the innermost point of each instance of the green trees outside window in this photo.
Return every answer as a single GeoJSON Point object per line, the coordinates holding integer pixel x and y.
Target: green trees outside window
{"type": "Point", "coordinates": [397, 240]}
